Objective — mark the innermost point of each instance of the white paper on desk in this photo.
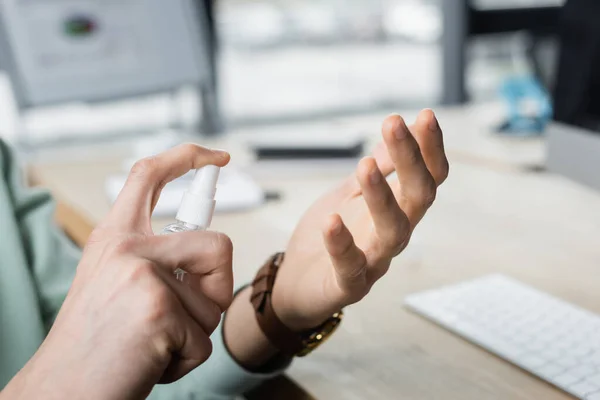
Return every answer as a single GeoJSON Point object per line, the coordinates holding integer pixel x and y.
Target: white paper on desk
{"type": "Point", "coordinates": [235, 192]}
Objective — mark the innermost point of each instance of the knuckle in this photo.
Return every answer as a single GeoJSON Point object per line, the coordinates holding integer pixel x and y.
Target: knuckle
{"type": "Point", "coordinates": [227, 300]}
{"type": "Point", "coordinates": [413, 156]}
{"type": "Point", "coordinates": [428, 192]}
{"type": "Point", "coordinates": [346, 248]}
{"type": "Point", "coordinates": [397, 237]}
{"type": "Point", "coordinates": [125, 245]}
{"type": "Point", "coordinates": [222, 246]}
{"type": "Point", "coordinates": [190, 147]}
{"type": "Point", "coordinates": [157, 303]}
{"type": "Point", "coordinates": [343, 249]}
{"type": "Point", "coordinates": [390, 201]}
{"type": "Point", "coordinates": [213, 317]}
{"type": "Point", "coordinates": [205, 350]}
{"type": "Point", "coordinates": [444, 170]}
{"type": "Point", "coordinates": [400, 242]}
{"type": "Point", "coordinates": [393, 123]}
{"type": "Point", "coordinates": [144, 167]}
{"type": "Point", "coordinates": [141, 270]}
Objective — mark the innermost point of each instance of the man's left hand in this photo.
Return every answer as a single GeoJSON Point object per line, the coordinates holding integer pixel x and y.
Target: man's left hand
{"type": "Point", "coordinates": [346, 241]}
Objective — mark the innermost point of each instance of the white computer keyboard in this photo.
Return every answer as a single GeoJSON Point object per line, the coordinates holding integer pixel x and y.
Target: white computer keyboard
{"type": "Point", "coordinates": [555, 340]}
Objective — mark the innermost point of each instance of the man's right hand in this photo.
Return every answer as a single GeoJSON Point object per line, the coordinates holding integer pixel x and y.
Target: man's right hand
{"type": "Point", "coordinates": [127, 323]}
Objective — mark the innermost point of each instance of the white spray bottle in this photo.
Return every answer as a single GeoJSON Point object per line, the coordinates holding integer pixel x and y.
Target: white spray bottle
{"type": "Point", "coordinates": [197, 206]}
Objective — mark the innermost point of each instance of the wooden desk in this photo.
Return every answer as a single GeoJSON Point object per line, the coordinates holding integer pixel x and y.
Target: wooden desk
{"type": "Point", "coordinates": [490, 216]}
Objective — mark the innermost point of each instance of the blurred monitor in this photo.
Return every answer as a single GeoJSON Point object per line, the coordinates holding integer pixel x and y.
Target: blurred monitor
{"type": "Point", "coordinates": [97, 50]}
{"type": "Point", "coordinates": [577, 89]}
{"type": "Point", "coordinates": [574, 137]}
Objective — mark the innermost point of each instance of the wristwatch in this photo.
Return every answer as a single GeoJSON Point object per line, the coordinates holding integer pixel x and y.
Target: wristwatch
{"type": "Point", "coordinates": [288, 342]}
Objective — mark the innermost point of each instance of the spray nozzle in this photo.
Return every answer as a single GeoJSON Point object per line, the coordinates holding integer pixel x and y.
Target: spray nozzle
{"type": "Point", "coordinates": [205, 181]}
{"type": "Point", "coordinates": [198, 203]}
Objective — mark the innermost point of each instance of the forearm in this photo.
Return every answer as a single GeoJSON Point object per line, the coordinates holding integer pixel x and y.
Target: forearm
{"type": "Point", "coordinates": [39, 379]}
{"type": "Point", "coordinates": [243, 337]}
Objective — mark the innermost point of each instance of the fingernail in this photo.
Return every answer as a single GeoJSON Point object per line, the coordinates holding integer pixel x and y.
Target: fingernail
{"type": "Point", "coordinates": [220, 152]}
{"type": "Point", "coordinates": [401, 132]}
{"type": "Point", "coordinates": [375, 176]}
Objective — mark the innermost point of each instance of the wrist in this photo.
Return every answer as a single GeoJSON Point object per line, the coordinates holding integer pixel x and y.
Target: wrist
{"type": "Point", "coordinates": [289, 315]}
{"type": "Point", "coordinates": [243, 337]}
{"type": "Point", "coordinates": [260, 325]}
{"type": "Point", "coordinates": [298, 313]}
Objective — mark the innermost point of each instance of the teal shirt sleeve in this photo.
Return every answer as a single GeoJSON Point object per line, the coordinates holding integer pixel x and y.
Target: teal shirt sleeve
{"type": "Point", "coordinates": [37, 265]}
{"type": "Point", "coordinates": [51, 258]}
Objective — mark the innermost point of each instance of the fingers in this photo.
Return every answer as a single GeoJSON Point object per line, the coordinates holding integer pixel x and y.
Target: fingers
{"type": "Point", "coordinates": [392, 228]}
{"type": "Point", "coordinates": [348, 260]}
{"type": "Point", "coordinates": [193, 347]}
{"type": "Point", "coordinates": [204, 311]}
{"type": "Point", "coordinates": [415, 189]}
{"type": "Point", "coordinates": [161, 317]}
{"type": "Point", "coordinates": [205, 256]}
{"type": "Point", "coordinates": [147, 178]}
{"type": "Point", "coordinates": [428, 135]}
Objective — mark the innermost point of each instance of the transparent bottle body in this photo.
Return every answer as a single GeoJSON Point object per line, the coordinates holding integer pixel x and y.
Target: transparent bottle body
{"type": "Point", "coordinates": [178, 227]}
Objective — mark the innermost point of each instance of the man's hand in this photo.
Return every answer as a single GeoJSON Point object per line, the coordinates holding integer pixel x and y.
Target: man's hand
{"type": "Point", "coordinates": [347, 239]}
{"type": "Point", "coordinates": [127, 323]}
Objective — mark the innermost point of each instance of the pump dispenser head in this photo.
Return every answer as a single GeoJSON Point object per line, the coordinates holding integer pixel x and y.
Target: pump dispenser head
{"type": "Point", "coordinates": [198, 203]}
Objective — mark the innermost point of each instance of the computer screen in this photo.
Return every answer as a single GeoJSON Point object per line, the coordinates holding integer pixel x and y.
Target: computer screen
{"type": "Point", "coordinates": [94, 50]}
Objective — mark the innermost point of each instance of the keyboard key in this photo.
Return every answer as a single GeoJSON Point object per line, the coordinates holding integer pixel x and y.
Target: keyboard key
{"type": "Point", "coordinates": [535, 346]}
{"type": "Point", "coordinates": [580, 352]}
{"type": "Point", "coordinates": [567, 361]}
{"type": "Point", "coordinates": [593, 396]}
{"type": "Point", "coordinates": [550, 370]}
{"type": "Point", "coordinates": [583, 371]}
{"type": "Point", "coordinates": [532, 361]}
{"type": "Point", "coordinates": [593, 359]}
{"type": "Point", "coordinates": [552, 353]}
{"type": "Point", "coordinates": [505, 348]}
{"type": "Point", "coordinates": [595, 379]}
{"type": "Point", "coordinates": [566, 379]}
{"type": "Point", "coordinates": [583, 388]}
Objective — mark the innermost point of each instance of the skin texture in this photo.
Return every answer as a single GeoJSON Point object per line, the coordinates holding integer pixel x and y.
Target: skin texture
{"type": "Point", "coordinates": [127, 321]}
{"type": "Point", "coordinates": [346, 240]}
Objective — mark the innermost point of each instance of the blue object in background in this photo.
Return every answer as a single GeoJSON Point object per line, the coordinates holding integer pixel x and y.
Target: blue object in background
{"type": "Point", "coordinates": [529, 106]}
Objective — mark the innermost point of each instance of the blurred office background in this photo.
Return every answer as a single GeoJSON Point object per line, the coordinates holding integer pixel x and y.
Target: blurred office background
{"type": "Point", "coordinates": [302, 58]}
{"type": "Point", "coordinates": [297, 60]}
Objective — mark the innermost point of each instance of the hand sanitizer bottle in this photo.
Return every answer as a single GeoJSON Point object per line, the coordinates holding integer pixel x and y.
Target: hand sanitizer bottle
{"type": "Point", "coordinates": [197, 206]}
